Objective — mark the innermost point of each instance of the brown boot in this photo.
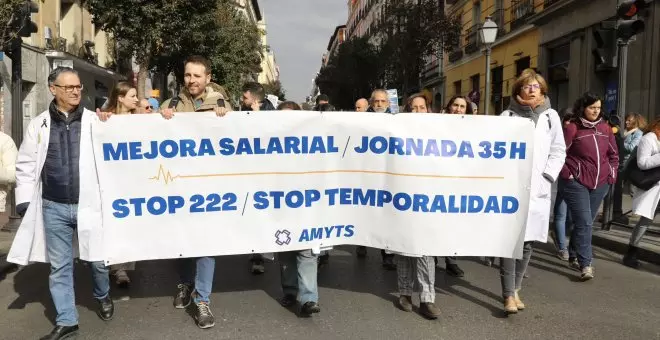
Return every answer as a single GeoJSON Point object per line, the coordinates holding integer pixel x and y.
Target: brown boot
{"type": "Point", "coordinates": [405, 303]}
{"type": "Point", "coordinates": [429, 310]}
{"type": "Point", "coordinates": [510, 305]}
{"type": "Point", "coordinates": [519, 304]}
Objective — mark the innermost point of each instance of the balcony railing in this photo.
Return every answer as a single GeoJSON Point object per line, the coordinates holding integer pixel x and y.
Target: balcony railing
{"type": "Point", "coordinates": [498, 18]}
{"type": "Point", "coordinates": [521, 10]}
{"type": "Point", "coordinates": [456, 55]}
{"type": "Point", "coordinates": [473, 41]}
{"type": "Point", "coordinates": [548, 3]}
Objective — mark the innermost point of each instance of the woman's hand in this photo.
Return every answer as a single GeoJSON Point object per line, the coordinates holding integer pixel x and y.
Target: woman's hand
{"type": "Point", "coordinates": [103, 116]}
{"type": "Point", "coordinates": [167, 113]}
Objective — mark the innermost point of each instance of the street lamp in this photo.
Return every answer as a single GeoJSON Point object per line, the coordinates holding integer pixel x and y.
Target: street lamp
{"type": "Point", "coordinates": [488, 32]}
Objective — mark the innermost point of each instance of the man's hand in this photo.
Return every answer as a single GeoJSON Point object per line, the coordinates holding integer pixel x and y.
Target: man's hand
{"type": "Point", "coordinates": [221, 111]}
{"type": "Point", "coordinates": [255, 106]}
{"type": "Point", "coordinates": [167, 113]}
{"type": "Point", "coordinates": [103, 116]}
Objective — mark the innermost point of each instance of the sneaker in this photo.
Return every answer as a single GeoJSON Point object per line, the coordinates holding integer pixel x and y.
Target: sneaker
{"type": "Point", "coordinates": [405, 303]}
{"type": "Point", "coordinates": [587, 273]}
{"type": "Point", "coordinates": [183, 296]}
{"type": "Point", "coordinates": [573, 264]}
{"type": "Point", "coordinates": [454, 270]}
{"type": "Point", "coordinates": [621, 219]}
{"type": "Point", "coordinates": [203, 316]}
{"type": "Point", "coordinates": [429, 310]}
{"type": "Point", "coordinates": [288, 300]}
{"type": "Point", "coordinates": [310, 308]}
{"type": "Point", "coordinates": [122, 280]}
{"type": "Point", "coordinates": [361, 252]}
{"type": "Point", "coordinates": [257, 266]}
{"type": "Point", "coordinates": [563, 255]}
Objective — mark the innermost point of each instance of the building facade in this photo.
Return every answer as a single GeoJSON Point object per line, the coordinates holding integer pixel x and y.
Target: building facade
{"type": "Point", "coordinates": [337, 38]}
{"type": "Point", "coordinates": [65, 37]}
{"type": "Point", "coordinates": [578, 53]}
{"type": "Point", "coordinates": [515, 49]}
{"type": "Point", "coordinates": [270, 73]}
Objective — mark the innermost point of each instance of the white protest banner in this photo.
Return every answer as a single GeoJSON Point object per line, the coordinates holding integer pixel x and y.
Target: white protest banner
{"type": "Point", "coordinates": [199, 185]}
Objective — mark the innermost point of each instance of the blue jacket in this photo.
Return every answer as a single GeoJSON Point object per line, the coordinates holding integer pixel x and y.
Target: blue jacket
{"type": "Point", "coordinates": [630, 142]}
{"type": "Point", "coordinates": [61, 176]}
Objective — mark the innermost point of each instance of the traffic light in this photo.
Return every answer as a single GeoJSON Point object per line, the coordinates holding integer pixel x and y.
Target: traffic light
{"type": "Point", "coordinates": [26, 25]}
{"type": "Point", "coordinates": [628, 25]}
{"type": "Point", "coordinates": [605, 51]}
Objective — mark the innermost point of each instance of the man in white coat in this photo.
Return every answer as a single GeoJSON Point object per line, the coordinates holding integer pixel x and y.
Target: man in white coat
{"type": "Point", "coordinates": [49, 174]}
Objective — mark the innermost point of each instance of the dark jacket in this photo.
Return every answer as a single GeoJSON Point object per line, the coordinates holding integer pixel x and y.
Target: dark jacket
{"type": "Point", "coordinates": [60, 175]}
{"type": "Point", "coordinates": [266, 105]}
{"type": "Point", "coordinates": [592, 156]}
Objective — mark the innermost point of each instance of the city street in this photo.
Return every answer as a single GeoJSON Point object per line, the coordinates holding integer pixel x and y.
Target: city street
{"type": "Point", "coordinates": [357, 300]}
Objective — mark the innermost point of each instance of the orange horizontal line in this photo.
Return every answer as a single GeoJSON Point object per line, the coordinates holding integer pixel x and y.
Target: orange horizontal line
{"type": "Point", "coordinates": [336, 172]}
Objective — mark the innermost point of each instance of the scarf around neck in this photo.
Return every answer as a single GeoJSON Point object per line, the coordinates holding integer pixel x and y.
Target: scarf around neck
{"type": "Point", "coordinates": [589, 124]}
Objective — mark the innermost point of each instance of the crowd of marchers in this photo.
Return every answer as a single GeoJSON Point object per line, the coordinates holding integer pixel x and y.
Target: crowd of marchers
{"type": "Point", "coordinates": [578, 151]}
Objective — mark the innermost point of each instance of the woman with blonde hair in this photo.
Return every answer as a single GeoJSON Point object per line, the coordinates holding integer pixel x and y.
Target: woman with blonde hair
{"type": "Point", "coordinates": [634, 126]}
{"type": "Point", "coordinates": [123, 99]}
{"type": "Point", "coordinates": [549, 152]}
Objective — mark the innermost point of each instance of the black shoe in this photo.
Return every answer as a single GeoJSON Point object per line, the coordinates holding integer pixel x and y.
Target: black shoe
{"type": "Point", "coordinates": [630, 258]}
{"type": "Point", "coordinates": [182, 298]}
{"type": "Point", "coordinates": [61, 332]}
{"type": "Point", "coordinates": [203, 316]}
{"type": "Point", "coordinates": [309, 308]}
{"type": "Point", "coordinates": [388, 262]}
{"type": "Point", "coordinates": [454, 270]}
{"type": "Point", "coordinates": [288, 300]}
{"type": "Point", "coordinates": [106, 309]}
{"type": "Point", "coordinates": [257, 266]}
{"type": "Point", "coordinates": [361, 252]}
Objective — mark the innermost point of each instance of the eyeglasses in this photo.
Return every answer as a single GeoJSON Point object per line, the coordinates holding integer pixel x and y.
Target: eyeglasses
{"type": "Point", "coordinates": [531, 87]}
{"type": "Point", "coordinates": [70, 88]}
{"type": "Point", "coordinates": [148, 107]}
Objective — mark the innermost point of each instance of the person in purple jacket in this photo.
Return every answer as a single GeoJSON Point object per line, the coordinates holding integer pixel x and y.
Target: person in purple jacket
{"type": "Point", "coordinates": [592, 160]}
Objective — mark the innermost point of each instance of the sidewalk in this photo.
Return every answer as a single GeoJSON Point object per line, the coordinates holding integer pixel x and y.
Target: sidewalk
{"type": "Point", "coordinates": [5, 243]}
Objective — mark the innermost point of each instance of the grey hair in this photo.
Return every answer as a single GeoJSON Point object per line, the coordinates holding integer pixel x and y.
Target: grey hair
{"type": "Point", "coordinates": [54, 74]}
{"type": "Point", "coordinates": [373, 94]}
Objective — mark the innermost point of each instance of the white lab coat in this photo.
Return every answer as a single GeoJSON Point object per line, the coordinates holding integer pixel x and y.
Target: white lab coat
{"type": "Point", "coordinates": [648, 157]}
{"type": "Point", "coordinates": [548, 158]}
{"type": "Point", "coordinates": [29, 243]}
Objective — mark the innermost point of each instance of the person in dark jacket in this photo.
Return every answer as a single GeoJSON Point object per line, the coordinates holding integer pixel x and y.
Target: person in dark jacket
{"type": "Point", "coordinates": [592, 161]}
{"type": "Point", "coordinates": [60, 193]}
{"type": "Point", "coordinates": [254, 98]}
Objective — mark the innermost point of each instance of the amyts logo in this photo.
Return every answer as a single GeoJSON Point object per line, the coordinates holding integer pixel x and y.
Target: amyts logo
{"type": "Point", "coordinates": [282, 237]}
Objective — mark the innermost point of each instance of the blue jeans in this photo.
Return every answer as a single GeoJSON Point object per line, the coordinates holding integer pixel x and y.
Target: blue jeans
{"type": "Point", "coordinates": [200, 277]}
{"type": "Point", "coordinates": [583, 206]}
{"type": "Point", "coordinates": [561, 220]}
{"type": "Point", "coordinates": [298, 270]}
{"type": "Point", "coordinates": [60, 223]}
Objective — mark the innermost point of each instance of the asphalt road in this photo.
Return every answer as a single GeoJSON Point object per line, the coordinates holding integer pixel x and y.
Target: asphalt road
{"type": "Point", "coordinates": [357, 300]}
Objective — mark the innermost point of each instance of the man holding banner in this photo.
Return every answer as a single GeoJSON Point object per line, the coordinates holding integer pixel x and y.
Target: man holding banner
{"type": "Point", "coordinates": [196, 275]}
{"type": "Point", "coordinates": [51, 180]}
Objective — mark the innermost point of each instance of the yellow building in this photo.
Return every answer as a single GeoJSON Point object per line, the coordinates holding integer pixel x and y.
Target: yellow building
{"type": "Point", "coordinates": [66, 36]}
{"type": "Point", "coordinates": [516, 48]}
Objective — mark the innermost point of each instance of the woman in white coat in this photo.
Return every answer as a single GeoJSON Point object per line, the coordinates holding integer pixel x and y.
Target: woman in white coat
{"type": "Point", "coordinates": [8, 154]}
{"type": "Point", "coordinates": [645, 203]}
{"type": "Point", "coordinates": [549, 154]}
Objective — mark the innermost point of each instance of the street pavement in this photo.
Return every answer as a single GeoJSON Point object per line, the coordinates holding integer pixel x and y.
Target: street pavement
{"type": "Point", "coordinates": [357, 300]}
